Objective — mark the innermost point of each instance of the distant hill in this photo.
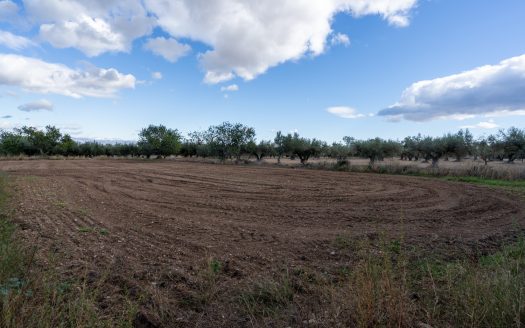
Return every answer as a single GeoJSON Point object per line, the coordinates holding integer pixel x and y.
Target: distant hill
{"type": "Point", "coordinates": [105, 141]}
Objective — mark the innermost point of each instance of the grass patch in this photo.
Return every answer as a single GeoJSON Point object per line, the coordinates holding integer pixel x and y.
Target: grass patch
{"type": "Point", "coordinates": [267, 298]}
{"type": "Point", "coordinates": [487, 293]}
{"type": "Point", "coordinates": [386, 288]}
{"type": "Point", "coordinates": [35, 296]}
{"type": "Point", "coordinates": [514, 184]}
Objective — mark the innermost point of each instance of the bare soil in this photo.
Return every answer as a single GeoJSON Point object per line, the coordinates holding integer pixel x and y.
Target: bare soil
{"type": "Point", "coordinates": [152, 227]}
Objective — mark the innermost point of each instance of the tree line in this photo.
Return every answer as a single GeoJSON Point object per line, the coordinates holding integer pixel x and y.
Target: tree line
{"type": "Point", "coordinates": [235, 140]}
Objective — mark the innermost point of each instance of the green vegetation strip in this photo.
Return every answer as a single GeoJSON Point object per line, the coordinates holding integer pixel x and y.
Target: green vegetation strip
{"type": "Point", "coordinates": [514, 184]}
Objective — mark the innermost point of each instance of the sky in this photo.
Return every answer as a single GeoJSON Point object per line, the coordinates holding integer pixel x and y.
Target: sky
{"type": "Point", "coordinates": [104, 69]}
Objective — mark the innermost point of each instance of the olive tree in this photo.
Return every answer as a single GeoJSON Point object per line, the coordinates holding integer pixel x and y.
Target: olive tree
{"type": "Point", "coordinates": [282, 145]}
{"type": "Point", "coordinates": [483, 150]}
{"type": "Point", "coordinates": [13, 143]}
{"type": "Point", "coordinates": [41, 142]}
{"type": "Point", "coordinates": [376, 149]}
{"type": "Point", "coordinates": [228, 140]}
{"type": "Point", "coordinates": [513, 143]}
{"type": "Point", "coordinates": [433, 149]}
{"type": "Point", "coordinates": [304, 148]}
{"type": "Point", "coordinates": [340, 151]}
{"type": "Point", "coordinates": [260, 150]}
{"type": "Point", "coordinates": [67, 146]}
{"type": "Point", "coordinates": [159, 140]}
{"type": "Point", "coordinates": [410, 148]}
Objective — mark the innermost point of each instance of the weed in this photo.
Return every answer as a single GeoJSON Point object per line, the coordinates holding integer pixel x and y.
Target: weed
{"type": "Point", "coordinates": [60, 203]}
{"type": "Point", "coordinates": [83, 211]}
{"type": "Point", "coordinates": [344, 242]}
{"type": "Point", "coordinates": [267, 297]}
{"type": "Point", "coordinates": [86, 229]}
{"type": "Point", "coordinates": [214, 266]}
{"type": "Point", "coordinates": [101, 231]}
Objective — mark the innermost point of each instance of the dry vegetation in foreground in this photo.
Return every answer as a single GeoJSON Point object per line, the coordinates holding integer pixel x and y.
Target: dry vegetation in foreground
{"type": "Point", "coordinates": [35, 295]}
{"type": "Point", "coordinates": [389, 285]}
{"type": "Point", "coordinates": [387, 289]}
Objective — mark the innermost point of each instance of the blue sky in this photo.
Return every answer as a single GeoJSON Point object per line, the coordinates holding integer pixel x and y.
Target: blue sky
{"type": "Point", "coordinates": [290, 61]}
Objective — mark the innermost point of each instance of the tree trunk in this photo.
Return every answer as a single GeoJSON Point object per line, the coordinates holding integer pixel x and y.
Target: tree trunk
{"type": "Point", "coordinates": [435, 162]}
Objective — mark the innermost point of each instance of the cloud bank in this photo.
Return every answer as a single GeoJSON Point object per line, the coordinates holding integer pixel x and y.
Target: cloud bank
{"type": "Point", "coordinates": [39, 76]}
{"type": "Point", "coordinates": [249, 37]}
{"type": "Point", "coordinates": [484, 90]}
{"type": "Point", "coordinates": [93, 27]}
{"type": "Point", "coordinates": [35, 106]}
{"type": "Point", "coordinates": [243, 38]}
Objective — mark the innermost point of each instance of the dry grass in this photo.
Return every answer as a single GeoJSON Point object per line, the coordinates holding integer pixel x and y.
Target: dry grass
{"type": "Point", "coordinates": [36, 296]}
{"type": "Point", "coordinates": [387, 286]}
{"type": "Point", "coordinates": [386, 289]}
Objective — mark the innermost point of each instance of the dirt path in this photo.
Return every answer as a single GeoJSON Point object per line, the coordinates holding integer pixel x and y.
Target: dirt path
{"type": "Point", "coordinates": [154, 224]}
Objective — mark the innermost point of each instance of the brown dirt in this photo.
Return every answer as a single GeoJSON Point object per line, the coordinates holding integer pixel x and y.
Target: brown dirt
{"type": "Point", "coordinates": [150, 226]}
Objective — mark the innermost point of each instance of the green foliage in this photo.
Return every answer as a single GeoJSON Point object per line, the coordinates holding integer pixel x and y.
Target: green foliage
{"type": "Point", "coordinates": [513, 141]}
{"type": "Point", "coordinates": [511, 184]}
{"type": "Point", "coordinates": [267, 297]}
{"type": "Point", "coordinates": [303, 148]}
{"type": "Point", "coordinates": [233, 140]}
{"type": "Point", "coordinates": [159, 140]}
{"type": "Point", "coordinates": [340, 151]}
{"type": "Point", "coordinates": [376, 149]}
{"type": "Point", "coordinates": [260, 150]}
{"type": "Point", "coordinates": [228, 140]}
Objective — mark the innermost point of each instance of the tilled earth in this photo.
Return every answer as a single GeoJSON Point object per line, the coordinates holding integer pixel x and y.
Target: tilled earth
{"type": "Point", "coordinates": [152, 227]}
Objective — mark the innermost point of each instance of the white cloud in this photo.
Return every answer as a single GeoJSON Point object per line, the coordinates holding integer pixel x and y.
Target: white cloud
{"type": "Point", "coordinates": [39, 76]}
{"type": "Point", "coordinates": [482, 125]}
{"type": "Point", "coordinates": [484, 90]}
{"type": "Point", "coordinates": [94, 27]}
{"type": "Point", "coordinates": [248, 37]}
{"type": "Point", "coordinates": [230, 88]}
{"type": "Point", "coordinates": [15, 42]}
{"type": "Point", "coordinates": [35, 106]}
{"type": "Point", "coordinates": [456, 117]}
{"type": "Point", "coordinates": [344, 112]}
{"type": "Point", "coordinates": [244, 38]}
{"type": "Point", "coordinates": [156, 75]}
{"type": "Point", "coordinates": [170, 49]}
{"type": "Point", "coordinates": [92, 36]}
{"type": "Point", "coordinates": [505, 113]}
{"type": "Point", "coordinates": [6, 116]}
{"type": "Point", "coordinates": [340, 39]}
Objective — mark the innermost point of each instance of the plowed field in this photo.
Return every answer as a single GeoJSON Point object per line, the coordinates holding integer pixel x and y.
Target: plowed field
{"type": "Point", "coordinates": [153, 226]}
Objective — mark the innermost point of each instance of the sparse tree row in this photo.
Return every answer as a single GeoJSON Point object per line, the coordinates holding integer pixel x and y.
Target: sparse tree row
{"type": "Point", "coordinates": [233, 141]}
